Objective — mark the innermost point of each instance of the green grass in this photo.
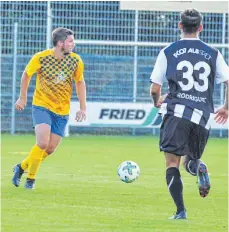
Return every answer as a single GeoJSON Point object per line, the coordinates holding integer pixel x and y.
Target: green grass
{"type": "Point", "coordinates": [78, 189]}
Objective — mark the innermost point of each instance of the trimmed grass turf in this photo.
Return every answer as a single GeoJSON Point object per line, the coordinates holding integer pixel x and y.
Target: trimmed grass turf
{"type": "Point", "coordinates": [78, 188]}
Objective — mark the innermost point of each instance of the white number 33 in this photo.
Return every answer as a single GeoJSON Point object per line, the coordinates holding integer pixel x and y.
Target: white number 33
{"type": "Point", "coordinates": [189, 75]}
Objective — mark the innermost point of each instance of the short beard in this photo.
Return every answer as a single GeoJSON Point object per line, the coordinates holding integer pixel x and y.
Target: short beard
{"type": "Point", "coordinates": [64, 52]}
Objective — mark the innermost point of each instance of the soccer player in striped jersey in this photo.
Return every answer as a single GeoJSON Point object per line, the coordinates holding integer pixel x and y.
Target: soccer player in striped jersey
{"type": "Point", "coordinates": [56, 69]}
{"type": "Point", "coordinates": [191, 68]}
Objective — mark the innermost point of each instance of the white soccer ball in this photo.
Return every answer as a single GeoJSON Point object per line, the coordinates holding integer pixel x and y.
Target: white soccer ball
{"type": "Point", "coordinates": [128, 171]}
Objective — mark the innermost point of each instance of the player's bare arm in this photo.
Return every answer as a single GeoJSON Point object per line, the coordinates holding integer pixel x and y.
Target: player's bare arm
{"type": "Point", "coordinates": [81, 93]}
{"type": "Point", "coordinates": [222, 113]}
{"type": "Point", "coordinates": [22, 100]}
{"type": "Point", "coordinates": [155, 93]}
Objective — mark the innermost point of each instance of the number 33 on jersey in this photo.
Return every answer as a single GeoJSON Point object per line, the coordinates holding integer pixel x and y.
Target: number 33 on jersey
{"type": "Point", "coordinates": [191, 68]}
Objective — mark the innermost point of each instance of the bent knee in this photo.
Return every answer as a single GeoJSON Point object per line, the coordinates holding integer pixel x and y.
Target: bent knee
{"type": "Point", "coordinates": [50, 150]}
{"type": "Point", "coordinates": [42, 144]}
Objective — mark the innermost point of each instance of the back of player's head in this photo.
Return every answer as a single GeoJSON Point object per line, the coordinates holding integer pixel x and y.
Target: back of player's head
{"type": "Point", "coordinates": [190, 19]}
{"type": "Point", "coordinates": [60, 34]}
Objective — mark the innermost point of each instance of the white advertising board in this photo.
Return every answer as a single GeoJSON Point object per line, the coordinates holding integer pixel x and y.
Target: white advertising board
{"type": "Point", "coordinates": [109, 114]}
{"type": "Point", "coordinates": [202, 6]}
{"type": "Point", "coordinates": [116, 114]}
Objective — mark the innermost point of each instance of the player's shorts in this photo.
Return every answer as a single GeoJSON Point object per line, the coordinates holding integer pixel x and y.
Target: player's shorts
{"type": "Point", "coordinates": [182, 137]}
{"type": "Point", "coordinates": [55, 121]}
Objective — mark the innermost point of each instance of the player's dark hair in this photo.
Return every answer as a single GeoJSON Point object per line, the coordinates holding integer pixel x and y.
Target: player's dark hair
{"type": "Point", "coordinates": [191, 20]}
{"type": "Point", "coordinates": [60, 34]}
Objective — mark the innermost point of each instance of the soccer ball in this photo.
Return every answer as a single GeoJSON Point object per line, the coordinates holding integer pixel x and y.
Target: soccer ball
{"type": "Point", "coordinates": [128, 171]}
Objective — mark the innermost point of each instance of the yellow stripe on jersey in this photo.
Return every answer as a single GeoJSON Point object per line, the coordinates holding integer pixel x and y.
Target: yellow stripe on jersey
{"type": "Point", "coordinates": [54, 79]}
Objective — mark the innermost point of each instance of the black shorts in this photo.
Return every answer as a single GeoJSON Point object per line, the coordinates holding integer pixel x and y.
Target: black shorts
{"type": "Point", "coordinates": [182, 137]}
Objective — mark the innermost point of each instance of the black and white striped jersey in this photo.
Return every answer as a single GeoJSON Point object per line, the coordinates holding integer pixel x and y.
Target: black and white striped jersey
{"type": "Point", "coordinates": [191, 67]}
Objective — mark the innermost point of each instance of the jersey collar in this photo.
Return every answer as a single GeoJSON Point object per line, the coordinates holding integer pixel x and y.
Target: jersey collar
{"type": "Point", "coordinates": [190, 39]}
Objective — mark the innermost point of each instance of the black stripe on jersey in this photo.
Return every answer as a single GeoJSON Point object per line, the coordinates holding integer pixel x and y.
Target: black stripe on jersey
{"type": "Point", "coordinates": [204, 119]}
{"type": "Point", "coordinates": [170, 109]}
{"type": "Point", "coordinates": [188, 113]}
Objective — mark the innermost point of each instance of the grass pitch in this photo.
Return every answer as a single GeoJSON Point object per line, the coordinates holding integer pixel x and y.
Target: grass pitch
{"type": "Point", "coordinates": [78, 188]}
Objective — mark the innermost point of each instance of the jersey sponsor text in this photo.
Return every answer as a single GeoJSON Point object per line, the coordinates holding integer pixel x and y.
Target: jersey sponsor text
{"type": "Point", "coordinates": [192, 50]}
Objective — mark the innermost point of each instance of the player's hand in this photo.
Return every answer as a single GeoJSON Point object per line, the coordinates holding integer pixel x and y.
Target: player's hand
{"type": "Point", "coordinates": [20, 103]}
{"type": "Point", "coordinates": [80, 115]}
{"type": "Point", "coordinates": [161, 100]}
{"type": "Point", "coordinates": [221, 115]}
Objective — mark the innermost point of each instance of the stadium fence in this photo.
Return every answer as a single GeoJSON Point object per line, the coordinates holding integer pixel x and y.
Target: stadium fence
{"type": "Point", "coordinates": [118, 47]}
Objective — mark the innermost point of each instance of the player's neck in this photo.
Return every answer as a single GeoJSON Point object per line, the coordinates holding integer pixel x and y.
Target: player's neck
{"type": "Point", "coordinates": [58, 54]}
{"type": "Point", "coordinates": [191, 36]}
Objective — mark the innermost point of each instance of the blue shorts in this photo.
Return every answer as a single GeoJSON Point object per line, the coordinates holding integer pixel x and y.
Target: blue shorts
{"type": "Point", "coordinates": [55, 121]}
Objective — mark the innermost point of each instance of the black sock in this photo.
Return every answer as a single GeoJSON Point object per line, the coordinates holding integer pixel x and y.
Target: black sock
{"type": "Point", "coordinates": [192, 165]}
{"type": "Point", "coordinates": [175, 187]}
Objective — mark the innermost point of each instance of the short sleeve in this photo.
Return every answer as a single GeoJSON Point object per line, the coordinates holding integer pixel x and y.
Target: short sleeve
{"type": "Point", "coordinates": [222, 69]}
{"type": "Point", "coordinates": [79, 71]}
{"type": "Point", "coordinates": [159, 72]}
{"type": "Point", "coordinates": [33, 65]}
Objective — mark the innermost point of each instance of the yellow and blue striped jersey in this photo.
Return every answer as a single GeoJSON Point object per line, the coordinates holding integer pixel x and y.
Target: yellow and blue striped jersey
{"type": "Point", "coordinates": [54, 79]}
